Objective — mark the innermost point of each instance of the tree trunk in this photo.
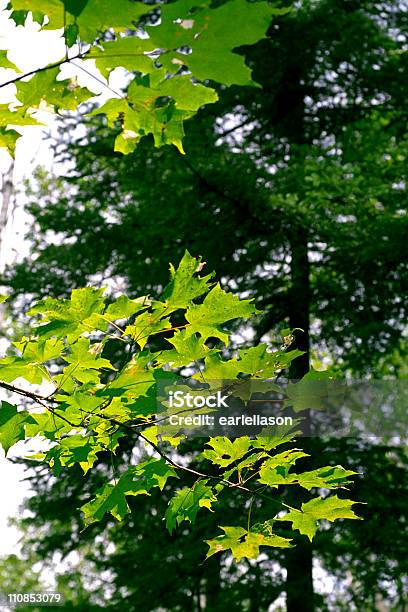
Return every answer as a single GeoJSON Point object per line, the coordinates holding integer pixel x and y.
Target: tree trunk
{"type": "Point", "coordinates": [299, 580]}
{"type": "Point", "coordinates": [299, 560]}
{"type": "Point", "coordinates": [299, 302]}
{"type": "Point", "coordinates": [212, 584]}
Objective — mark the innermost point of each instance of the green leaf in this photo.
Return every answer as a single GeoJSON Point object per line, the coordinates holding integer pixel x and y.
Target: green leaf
{"type": "Point", "coordinates": [5, 62]}
{"type": "Point", "coordinates": [146, 111]}
{"type": "Point", "coordinates": [54, 9]}
{"type": "Point", "coordinates": [128, 53]}
{"type": "Point", "coordinates": [253, 360]}
{"type": "Point", "coordinates": [246, 464]}
{"type": "Point", "coordinates": [186, 94]}
{"type": "Point", "coordinates": [208, 33]}
{"type": "Point", "coordinates": [216, 369]}
{"type": "Point", "coordinates": [137, 480]}
{"type": "Point", "coordinates": [270, 438]}
{"type": "Point", "coordinates": [19, 17]}
{"type": "Point", "coordinates": [185, 285]}
{"type": "Point", "coordinates": [258, 361]}
{"type": "Point", "coordinates": [217, 308]}
{"type": "Point", "coordinates": [12, 424]}
{"type": "Point", "coordinates": [280, 463]}
{"type": "Point", "coordinates": [123, 307]}
{"type": "Point", "coordinates": [149, 114]}
{"type": "Point", "coordinates": [71, 34]}
{"type": "Point", "coordinates": [73, 317]}
{"type": "Point", "coordinates": [139, 117]}
{"type": "Point", "coordinates": [187, 502]}
{"type": "Point", "coordinates": [44, 87]}
{"type": "Point", "coordinates": [187, 349]}
{"type": "Point", "coordinates": [84, 362]}
{"type": "Point", "coordinates": [17, 117]}
{"type": "Point", "coordinates": [145, 325]}
{"type": "Point", "coordinates": [12, 368]}
{"type": "Point", "coordinates": [330, 477]}
{"type": "Point", "coordinates": [313, 391]}
{"type": "Point", "coordinates": [47, 425]}
{"type": "Point", "coordinates": [40, 351]}
{"type": "Point", "coordinates": [133, 381]}
{"type": "Point", "coordinates": [101, 15]}
{"type": "Point", "coordinates": [325, 477]}
{"type": "Point", "coordinates": [93, 17]}
{"type": "Point", "coordinates": [114, 109]}
{"type": "Point", "coordinates": [243, 543]}
{"type": "Point", "coordinates": [75, 7]}
{"type": "Point", "coordinates": [76, 449]}
{"type": "Point", "coordinates": [330, 508]}
{"type": "Point", "coordinates": [82, 357]}
{"type": "Point", "coordinates": [225, 451]}
{"type": "Point", "coordinates": [212, 54]}
{"type": "Point", "coordinates": [8, 139]}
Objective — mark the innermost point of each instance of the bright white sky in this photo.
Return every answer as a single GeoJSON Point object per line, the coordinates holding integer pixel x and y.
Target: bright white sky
{"type": "Point", "coordinates": [29, 151]}
{"type": "Point", "coordinates": [29, 49]}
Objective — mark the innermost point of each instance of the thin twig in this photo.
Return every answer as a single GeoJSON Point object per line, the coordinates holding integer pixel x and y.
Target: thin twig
{"type": "Point", "coordinates": [43, 69]}
{"type": "Point", "coordinates": [93, 76]}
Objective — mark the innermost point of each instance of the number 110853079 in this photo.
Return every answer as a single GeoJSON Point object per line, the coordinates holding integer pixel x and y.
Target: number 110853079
{"type": "Point", "coordinates": [51, 599]}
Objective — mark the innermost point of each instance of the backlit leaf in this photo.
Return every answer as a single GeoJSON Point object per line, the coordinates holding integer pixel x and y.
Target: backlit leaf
{"type": "Point", "coordinates": [137, 480]}
{"type": "Point", "coordinates": [187, 502]}
{"type": "Point", "coordinates": [12, 424]}
{"type": "Point", "coordinates": [243, 543]}
{"type": "Point", "coordinates": [330, 508]}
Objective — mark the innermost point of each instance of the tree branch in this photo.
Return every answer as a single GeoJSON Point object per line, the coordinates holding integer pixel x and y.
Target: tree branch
{"type": "Point", "coordinates": [43, 69]}
{"type": "Point", "coordinates": [42, 401]}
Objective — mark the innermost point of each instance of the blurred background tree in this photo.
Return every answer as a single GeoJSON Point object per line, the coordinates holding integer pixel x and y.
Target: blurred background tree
{"type": "Point", "coordinates": [295, 192]}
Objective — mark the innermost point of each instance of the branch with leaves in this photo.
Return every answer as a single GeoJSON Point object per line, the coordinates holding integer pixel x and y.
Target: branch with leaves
{"type": "Point", "coordinates": [172, 50]}
{"type": "Point", "coordinates": [93, 405]}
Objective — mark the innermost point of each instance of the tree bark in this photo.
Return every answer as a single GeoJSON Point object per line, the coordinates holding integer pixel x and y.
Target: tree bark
{"type": "Point", "coordinates": [212, 584]}
{"type": "Point", "coordinates": [299, 300]}
{"type": "Point", "coordinates": [299, 560]}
